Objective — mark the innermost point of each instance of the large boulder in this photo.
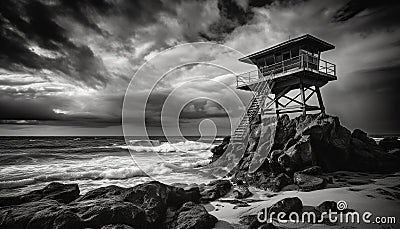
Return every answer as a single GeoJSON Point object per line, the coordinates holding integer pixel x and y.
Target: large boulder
{"type": "Point", "coordinates": [111, 191]}
{"type": "Point", "coordinates": [220, 149]}
{"type": "Point", "coordinates": [307, 182]}
{"type": "Point", "coordinates": [90, 213]}
{"type": "Point", "coordinates": [390, 143]}
{"type": "Point", "coordinates": [63, 193]}
{"type": "Point", "coordinates": [275, 184]}
{"type": "Point", "coordinates": [241, 190]}
{"type": "Point", "coordinates": [215, 189]}
{"type": "Point", "coordinates": [153, 197]}
{"type": "Point", "coordinates": [331, 206]}
{"type": "Point", "coordinates": [99, 212]}
{"type": "Point", "coordinates": [19, 216]}
{"type": "Point", "coordinates": [193, 216]}
{"type": "Point", "coordinates": [301, 153]}
{"type": "Point", "coordinates": [327, 206]}
{"type": "Point", "coordinates": [313, 139]}
{"type": "Point", "coordinates": [330, 142]}
{"type": "Point", "coordinates": [287, 205]}
{"type": "Point", "coordinates": [143, 206]}
{"type": "Point", "coordinates": [366, 155]}
{"type": "Point", "coordinates": [285, 131]}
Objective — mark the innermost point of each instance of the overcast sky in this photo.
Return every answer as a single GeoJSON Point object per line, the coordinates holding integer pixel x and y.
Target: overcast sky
{"type": "Point", "coordinates": [65, 65]}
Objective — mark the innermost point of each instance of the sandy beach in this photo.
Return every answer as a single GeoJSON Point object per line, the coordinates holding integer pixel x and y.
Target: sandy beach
{"type": "Point", "coordinates": [380, 195]}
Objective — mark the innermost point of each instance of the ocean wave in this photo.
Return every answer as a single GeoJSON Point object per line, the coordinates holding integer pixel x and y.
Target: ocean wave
{"type": "Point", "coordinates": [44, 157]}
{"type": "Point", "coordinates": [110, 173]}
{"type": "Point", "coordinates": [106, 173]}
{"type": "Point", "coordinates": [149, 143]}
{"type": "Point", "coordinates": [195, 164]}
{"type": "Point", "coordinates": [171, 147]}
{"type": "Point", "coordinates": [124, 173]}
{"type": "Point", "coordinates": [11, 159]}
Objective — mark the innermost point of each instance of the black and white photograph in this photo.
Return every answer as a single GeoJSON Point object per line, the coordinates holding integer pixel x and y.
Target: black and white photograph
{"type": "Point", "coordinates": [199, 114]}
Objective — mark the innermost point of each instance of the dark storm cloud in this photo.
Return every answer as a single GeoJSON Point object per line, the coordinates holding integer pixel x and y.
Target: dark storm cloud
{"type": "Point", "coordinates": [26, 110]}
{"type": "Point", "coordinates": [354, 7]}
{"type": "Point", "coordinates": [35, 113]}
{"type": "Point", "coordinates": [375, 15]}
{"type": "Point", "coordinates": [79, 35]}
{"type": "Point", "coordinates": [232, 16]}
{"type": "Point", "coordinates": [23, 24]}
{"type": "Point", "coordinates": [80, 11]}
{"type": "Point", "coordinates": [145, 12]}
{"type": "Point", "coordinates": [29, 108]}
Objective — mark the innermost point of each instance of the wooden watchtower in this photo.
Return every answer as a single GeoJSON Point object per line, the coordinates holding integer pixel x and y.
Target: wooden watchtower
{"type": "Point", "coordinates": [294, 65]}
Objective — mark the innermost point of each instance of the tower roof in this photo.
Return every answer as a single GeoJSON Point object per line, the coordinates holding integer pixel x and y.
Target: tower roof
{"type": "Point", "coordinates": [306, 39]}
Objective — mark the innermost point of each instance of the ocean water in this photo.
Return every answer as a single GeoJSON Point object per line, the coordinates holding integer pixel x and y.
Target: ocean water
{"type": "Point", "coordinates": [28, 163]}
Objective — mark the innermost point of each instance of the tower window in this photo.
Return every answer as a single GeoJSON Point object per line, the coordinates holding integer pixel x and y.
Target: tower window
{"type": "Point", "coordinates": [286, 55]}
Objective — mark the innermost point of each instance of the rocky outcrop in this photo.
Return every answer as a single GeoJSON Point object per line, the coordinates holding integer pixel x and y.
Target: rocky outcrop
{"type": "Point", "coordinates": [63, 193]}
{"type": "Point", "coordinates": [284, 206]}
{"type": "Point", "coordinates": [308, 141]}
{"type": "Point", "coordinates": [193, 216]}
{"type": "Point", "coordinates": [390, 143]}
{"type": "Point", "coordinates": [321, 140]}
{"type": "Point", "coordinates": [148, 205]}
{"type": "Point", "coordinates": [220, 149]}
{"type": "Point", "coordinates": [215, 189]}
{"type": "Point", "coordinates": [287, 205]}
{"type": "Point", "coordinates": [275, 184]}
{"type": "Point", "coordinates": [241, 190]}
{"type": "Point", "coordinates": [307, 182]}
{"type": "Point", "coordinates": [366, 155]}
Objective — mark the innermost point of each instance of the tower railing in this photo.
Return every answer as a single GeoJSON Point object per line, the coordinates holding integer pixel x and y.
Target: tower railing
{"type": "Point", "coordinates": [301, 62]}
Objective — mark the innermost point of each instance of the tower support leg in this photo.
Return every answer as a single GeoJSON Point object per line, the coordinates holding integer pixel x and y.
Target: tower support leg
{"type": "Point", "coordinates": [303, 97]}
{"type": "Point", "coordinates": [321, 103]}
{"type": "Point", "coordinates": [277, 107]}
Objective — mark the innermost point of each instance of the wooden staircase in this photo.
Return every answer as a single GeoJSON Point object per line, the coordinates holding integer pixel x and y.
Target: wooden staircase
{"type": "Point", "coordinates": [261, 92]}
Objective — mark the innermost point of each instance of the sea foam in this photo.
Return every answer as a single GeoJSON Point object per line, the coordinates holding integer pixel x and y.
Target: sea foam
{"type": "Point", "coordinates": [169, 147]}
{"type": "Point", "coordinates": [109, 173]}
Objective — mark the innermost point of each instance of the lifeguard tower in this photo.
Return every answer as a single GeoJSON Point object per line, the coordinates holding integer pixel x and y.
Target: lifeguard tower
{"type": "Point", "coordinates": [295, 64]}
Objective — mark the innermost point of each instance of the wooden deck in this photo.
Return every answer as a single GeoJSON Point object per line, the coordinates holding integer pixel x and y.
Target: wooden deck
{"type": "Point", "coordinates": [289, 72]}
